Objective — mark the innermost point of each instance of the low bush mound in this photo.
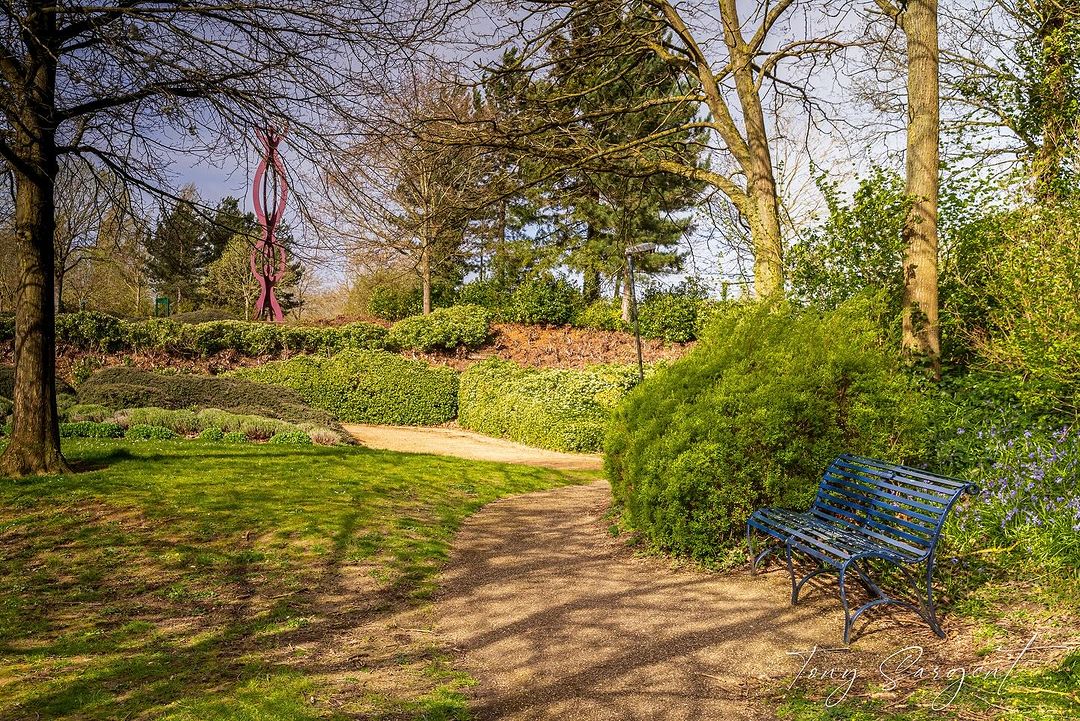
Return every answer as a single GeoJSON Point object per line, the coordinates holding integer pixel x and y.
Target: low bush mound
{"type": "Point", "coordinates": [292, 438]}
{"type": "Point", "coordinates": [90, 429]}
{"type": "Point", "coordinates": [751, 417]}
{"type": "Point", "coordinates": [442, 329]}
{"type": "Point", "coordinates": [234, 437]}
{"type": "Point", "coordinates": [119, 388]}
{"type": "Point", "coordinates": [560, 409]}
{"type": "Point", "coordinates": [149, 433]}
{"type": "Point", "coordinates": [543, 300]}
{"type": "Point", "coordinates": [182, 422]}
{"type": "Point", "coordinates": [212, 434]}
{"type": "Point", "coordinates": [361, 386]}
{"type": "Point", "coordinates": [601, 315]}
{"type": "Point", "coordinates": [88, 412]}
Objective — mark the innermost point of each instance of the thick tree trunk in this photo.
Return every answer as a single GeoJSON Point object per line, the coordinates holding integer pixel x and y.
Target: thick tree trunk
{"type": "Point", "coordinates": [1058, 129]}
{"type": "Point", "coordinates": [762, 210]}
{"type": "Point", "coordinates": [921, 330]}
{"type": "Point", "coordinates": [35, 439]}
{"type": "Point", "coordinates": [425, 276]}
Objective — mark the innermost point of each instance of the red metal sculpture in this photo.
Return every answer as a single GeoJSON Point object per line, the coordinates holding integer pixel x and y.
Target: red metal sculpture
{"type": "Point", "coordinates": [268, 195]}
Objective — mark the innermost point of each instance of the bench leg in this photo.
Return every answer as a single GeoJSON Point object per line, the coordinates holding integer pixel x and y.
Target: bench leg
{"type": "Point", "coordinates": [931, 613]}
{"type": "Point", "coordinates": [848, 620]}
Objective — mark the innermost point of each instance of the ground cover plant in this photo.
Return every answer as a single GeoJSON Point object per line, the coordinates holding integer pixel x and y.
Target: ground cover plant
{"type": "Point", "coordinates": [173, 580]}
{"type": "Point", "coordinates": [367, 386]}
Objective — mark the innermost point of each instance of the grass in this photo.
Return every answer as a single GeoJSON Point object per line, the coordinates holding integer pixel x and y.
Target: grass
{"type": "Point", "coordinates": [193, 580]}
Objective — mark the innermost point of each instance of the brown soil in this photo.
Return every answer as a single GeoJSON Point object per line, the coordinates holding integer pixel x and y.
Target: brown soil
{"type": "Point", "coordinates": [557, 619]}
{"type": "Point", "coordinates": [452, 441]}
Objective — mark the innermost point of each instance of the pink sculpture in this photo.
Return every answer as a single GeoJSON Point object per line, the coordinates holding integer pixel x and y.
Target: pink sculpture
{"type": "Point", "coordinates": [268, 256]}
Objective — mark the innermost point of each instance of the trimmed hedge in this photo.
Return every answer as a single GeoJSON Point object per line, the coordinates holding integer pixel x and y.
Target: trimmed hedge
{"type": "Point", "coordinates": [560, 409]}
{"type": "Point", "coordinates": [133, 388]}
{"type": "Point", "coordinates": [101, 332]}
{"type": "Point", "coordinates": [751, 417]}
{"type": "Point", "coordinates": [371, 386]}
{"type": "Point", "coordinates": [442, 329]}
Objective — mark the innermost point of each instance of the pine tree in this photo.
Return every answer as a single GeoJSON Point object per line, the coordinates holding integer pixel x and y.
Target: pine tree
{"type": "Point", "coordinates": [176, 253]}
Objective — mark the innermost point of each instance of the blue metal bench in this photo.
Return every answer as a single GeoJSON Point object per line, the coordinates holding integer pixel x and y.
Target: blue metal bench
{"type": "Point", "coordinates": [865, 510]}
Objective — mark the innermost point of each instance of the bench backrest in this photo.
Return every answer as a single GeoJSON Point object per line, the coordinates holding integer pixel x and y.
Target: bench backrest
{"type": "Point", "coordinates": [897, 507]}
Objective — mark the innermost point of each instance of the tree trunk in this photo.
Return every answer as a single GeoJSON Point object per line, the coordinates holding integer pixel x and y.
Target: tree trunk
{"type": "Point", "coordinates": [921, 330]}
{"type": "Point", "coordinates": [1058, 129]}
{"type": "Point", "coordinates": [35, 438]}
{"type": "Point", "coordinates": [590, 285]}
{"type": "Point", "coordinates": [59, 290]}
{"type": "Point", "coordinates": [425, 276]}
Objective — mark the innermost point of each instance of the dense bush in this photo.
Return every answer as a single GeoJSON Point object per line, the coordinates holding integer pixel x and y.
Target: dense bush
{"type": "Point", "coordinates": [149, 433]}
{"type": "Point", "coordinates": [600, 315]}
{"type": "Point", "coordinates": [561, 409]}
{"type": "Point", "coordinates": [751, 417]}
{"type": "Point", "coordinates": [183, 422]}
{"type": "Point", "coordinates": [442, 329]}
{"type": "Point", "coordinates": [543, 300]}
{"type": "Point", "coordinates": [132, 388]}
{"type": "Point", "coordinates": [367, 386]}
{"type": "Point", "coordinates": [234, 437]}
{"type": "Point", "coordinates": [212, 434]}
{"type": "Point", "coordinates": [90, 429]}
{"type": "Point", "coordinates": [671, 316]}
{"type": "Point", "coordinates": [101, 332]}
{"type": "Point", "coordinates": [204, 315]}
{"type": "Point", "coordinates": [88, 412]}
{"type": "Point", "coordinates": [1027, 284]}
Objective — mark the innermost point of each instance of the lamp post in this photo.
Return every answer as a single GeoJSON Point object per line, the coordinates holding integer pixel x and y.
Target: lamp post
{"type": "Point", "coordinates": [639, 249]}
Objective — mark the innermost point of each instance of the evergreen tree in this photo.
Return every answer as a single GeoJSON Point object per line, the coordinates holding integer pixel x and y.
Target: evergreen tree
{"type": "Point", "coordinates": [176, 253]}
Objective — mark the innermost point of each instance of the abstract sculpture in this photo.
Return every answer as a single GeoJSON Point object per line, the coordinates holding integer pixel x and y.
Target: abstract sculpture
{"type": "Point", "coordinates": [268, 195]}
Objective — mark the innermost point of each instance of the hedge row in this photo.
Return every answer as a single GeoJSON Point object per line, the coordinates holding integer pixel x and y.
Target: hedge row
{"type": "Point", "coordinates": [442, 329]}
{"type": "Point", "coordinates": [102, 332]}
{"type": "Point", "coordinates": [560, 409]}
{"type": "Point", "coordinates": [367, 386]}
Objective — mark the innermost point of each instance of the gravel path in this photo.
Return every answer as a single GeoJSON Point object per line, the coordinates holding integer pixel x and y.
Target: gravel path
{"type": "Point", "coordinates": [466, 444]}
{"type": "Point", "coordinates": [558, 620]}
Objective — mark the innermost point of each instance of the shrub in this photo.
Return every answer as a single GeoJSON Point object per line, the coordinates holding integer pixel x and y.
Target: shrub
{"type": "Point", "coordinates": [601, 315]}
{"type": "Point", "coordinates": [90, 429]}
{"type": "Point", "coordinates": [751, 417]}
{"type": "Point", "coordinates": [673, 315]}
{"type": "Point", "coordinates": [484, 293]}
{"type": "Point", "coordinates": [5, 407]}
{"type": "Point", "coordinates": [212, 434]}
{"type": "Point", "coordinates": [292, 438]}
{"type": "Point", "coordinates": [544, 300]}
{"type": "Point", "coordinates": [182, 422]}
{"type": "Point", "coordinates": [324, 436]}
{"type": "Point", "coordinates": [7, 326]}
{"type": "Point", "coordinates": [561, 409]}
{"type": "Point", "coordinates": [367, 386]}
{"type": "Point", "coordinates": [133, 388]}
{"type": "Point", "coordinates": [234, 437]}
{"type": "Point", "coordinates": [88, 412]}
{"type": "Point", "coordinates": [442, 329]}
{"type": "Point", "coordinates": [392, 302]}
{"type": "Point", "coordinates": [149, 433]}
{"type": "Point", "coordinates": [101, 332]}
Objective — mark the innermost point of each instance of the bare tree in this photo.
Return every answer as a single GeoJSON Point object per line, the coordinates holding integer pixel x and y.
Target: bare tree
{"type": "Point", "coordinates": [131, 83]}
{"type": "Point", "coordinates": [411, 191]}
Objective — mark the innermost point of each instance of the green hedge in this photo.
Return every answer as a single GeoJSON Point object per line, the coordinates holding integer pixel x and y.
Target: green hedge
{"type": "Point", "coordinates": [561, 409]}
{"type": "Point", "coordinates": [90, 429]}
{"type": "Point", "coordinates": [751, 417]}
{"type": "Point", "coordinates": [367, 386]}
{"type": "Point", "coordinates": [119, 388]}
{"type": "Point", "coordinates": [105, 333]}
{"type": "Point", "coordinates": [442, 329]}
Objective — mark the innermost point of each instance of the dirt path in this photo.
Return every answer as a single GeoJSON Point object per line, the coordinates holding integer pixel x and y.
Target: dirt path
{"type": "Point", "coordinates": [466, 444]}
{"type": "Point", "coordinates": [558, 620]}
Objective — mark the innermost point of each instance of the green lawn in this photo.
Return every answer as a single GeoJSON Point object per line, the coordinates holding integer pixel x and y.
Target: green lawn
{"type": "Point", "coordinates": [188, 580]}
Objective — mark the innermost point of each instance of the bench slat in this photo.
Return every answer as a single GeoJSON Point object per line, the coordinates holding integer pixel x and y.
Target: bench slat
{"type": "Point", "coordinates": [954, 483]}
{"type": "Point", "coordinates": [853, 508]}
{"type": "Point", "coordinates": [878, 482]}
